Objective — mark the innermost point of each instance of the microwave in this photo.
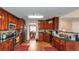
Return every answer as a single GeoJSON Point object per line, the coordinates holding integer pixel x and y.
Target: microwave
{"type": "Point", "coordinates": [11, 26]}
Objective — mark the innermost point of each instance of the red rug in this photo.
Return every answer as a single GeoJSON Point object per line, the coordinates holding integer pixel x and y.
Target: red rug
{"type": "Point", "coordinates": [22, 48]}
{"type": "Point", "coordinates": [50, 49]}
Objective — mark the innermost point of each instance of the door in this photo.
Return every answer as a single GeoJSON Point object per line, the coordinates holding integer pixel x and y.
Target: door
{"type": "Point", "coordinates": [32, 31]}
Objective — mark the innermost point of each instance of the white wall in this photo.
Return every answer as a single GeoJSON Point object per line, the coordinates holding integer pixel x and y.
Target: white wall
{"type": "Point", "coordinates": [27, 25]}
{"type": "Point", "coordinates": [65, 25]}
{"type": "Point", "coordinates": [69, 25]}
{"type": "Point", "coordinates": [74, 16]}
{"type": "Point", "coordinates": [75, 26]}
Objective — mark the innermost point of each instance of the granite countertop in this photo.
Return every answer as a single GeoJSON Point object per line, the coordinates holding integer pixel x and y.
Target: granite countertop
{"type": "Point", "coordinates": [66, 39]}
{"type": "Point", "coordinates": [1, 41]}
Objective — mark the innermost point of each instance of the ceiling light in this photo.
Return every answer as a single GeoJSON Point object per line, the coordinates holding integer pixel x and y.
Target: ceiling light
{"type": "Point", "coordinates": [35, 16]}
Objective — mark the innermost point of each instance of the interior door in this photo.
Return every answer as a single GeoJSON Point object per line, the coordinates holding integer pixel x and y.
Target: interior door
{"type": "Point", "coordinates": [32, 31]}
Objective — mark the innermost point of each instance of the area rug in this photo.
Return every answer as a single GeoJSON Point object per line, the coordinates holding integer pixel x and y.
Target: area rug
{"type": "Point", "coordinates": [22, 48]}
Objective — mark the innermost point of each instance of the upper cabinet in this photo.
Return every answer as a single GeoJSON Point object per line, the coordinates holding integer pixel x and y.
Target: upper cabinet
{"type": "Point", "coordinates": [9, 21]}
{"type": "Point", "coordinates": [20, 24]}
{"type": "Point", "coordinates": [49, 24]}
{"type": "Point", "coordinates": [3, 20]}
{"type": "Point", "coordinates": [45, 24]}
{"type": "Point", "coordinates": [13, 20]}
{"type": "Point", "coordinates": [55, 23]}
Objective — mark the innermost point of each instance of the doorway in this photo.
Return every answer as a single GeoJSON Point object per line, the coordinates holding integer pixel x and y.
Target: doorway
{"type": "Point", "coordinates": [32, 31]}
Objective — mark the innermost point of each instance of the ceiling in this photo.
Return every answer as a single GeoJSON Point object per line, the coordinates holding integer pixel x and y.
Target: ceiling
{"type": "Point", "coordinates": [47, 12]}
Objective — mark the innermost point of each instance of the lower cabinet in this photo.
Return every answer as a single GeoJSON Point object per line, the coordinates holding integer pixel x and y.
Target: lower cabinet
{"type": "Point", "coordinates": [58, 43]}
{"type": "Point", "coordinates": [70, 46]}
{"type": "Point", "coordinates": [44, 37]}
{"type": "Point", "coordinates": [10, 45]}
{"type": "Point", "coordinates": [63, 45]}
{"type": "Point", "coordinates": [40, 36]}
{"type": "Point", "coordinates": [7, 45]}
{"type": "Point", "coordinates": [1, 47]}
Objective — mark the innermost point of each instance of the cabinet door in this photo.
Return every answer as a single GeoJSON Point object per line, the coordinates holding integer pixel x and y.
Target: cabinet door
{"type": "Point", "coordinates": [10, 45]}
{"type": "Point", "coordinates": [5, 46]}
{"type": "Point", "coordinates": [3, 20]}
{"type": "Point", "coordinates": [21, 23]}
{"type": "Point", "coordinates": [17, 25]}
{"type": "Point", "coordinates": [1, 47]}
{"type": "Point", "coordinates": [62, 45]}
{"type": "Point", "coordinates": [0, 19]}
{"type": "Point", "coordinates": [15, 22]}
{"type": "Point", "coordinates": [11, 19]}
{"type": "Point", "coordinates": [46, 37]}
{"type": "Point", "coordinates": [41, 25]}
{"type": "Point", "coordinates": [55, 23]}
{"type": "Point", "coordinates": [70, 46]}
{"type": "Point", "coordinates": [50, 24]}
{"type": "Point", "coordinates": [41, 36]}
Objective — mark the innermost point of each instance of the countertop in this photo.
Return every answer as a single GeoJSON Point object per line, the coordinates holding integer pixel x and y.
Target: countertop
{"type": "Point", "coordinates": [66, 39]}
{"type": "Point", "coordinates": [1, 41]}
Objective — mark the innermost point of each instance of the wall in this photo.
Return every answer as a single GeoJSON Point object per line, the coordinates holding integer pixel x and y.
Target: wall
{"type": "Point", "coordinates": [73, 25]}
{"type": "Point", "coordinates": [72, 14]}
{"type": "Point", "coordinates": [69, 25]}
{"type": "Point", "coordinates": [27, 25]}
{"type": "Point", "coordinates": [65, 25]}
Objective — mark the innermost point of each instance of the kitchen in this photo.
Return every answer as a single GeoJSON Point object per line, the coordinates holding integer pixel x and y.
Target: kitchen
{"type": "Point", "coordinates": [60, 32]}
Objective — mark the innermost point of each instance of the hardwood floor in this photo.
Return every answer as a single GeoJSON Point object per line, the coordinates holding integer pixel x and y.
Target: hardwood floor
{"type": "Point", "coordinates": [34, 45]}
{"type": "Point", "coordinates": [38, 46]}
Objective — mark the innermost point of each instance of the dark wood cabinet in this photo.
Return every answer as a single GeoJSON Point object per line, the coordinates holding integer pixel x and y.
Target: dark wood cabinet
{"type": "Point", "coordinates": [44, 37]}
{"type": "Point", "coordinates": [41, 24]}
{"type": "Point", "coordinates": [63, 45]}
{"type": "Point", "coordinates": [47, 25]}
{"type": "Point", "coordinates": [10, 45]}
{"type": "Point", "coordinates": [18, 24]}
{"type": "Point", "coordinates": [70, 46]}
{"type": "Point", "coordinates": [3, 20]}
{"type": "Point", "coordinates": [1, 47]}
{"type": "Point", "coordinates": [6, 18]}
{"type": "Point", "coordinates": [55, 23]}
{"type": "Point", "coordinates": [41, 36]}
{"type": "Point", "coordinates": [58, 43]}
{"type": "Point", "coordinates": [7, 45]}
{"type": "Point", "coordinates": [12, 19]}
